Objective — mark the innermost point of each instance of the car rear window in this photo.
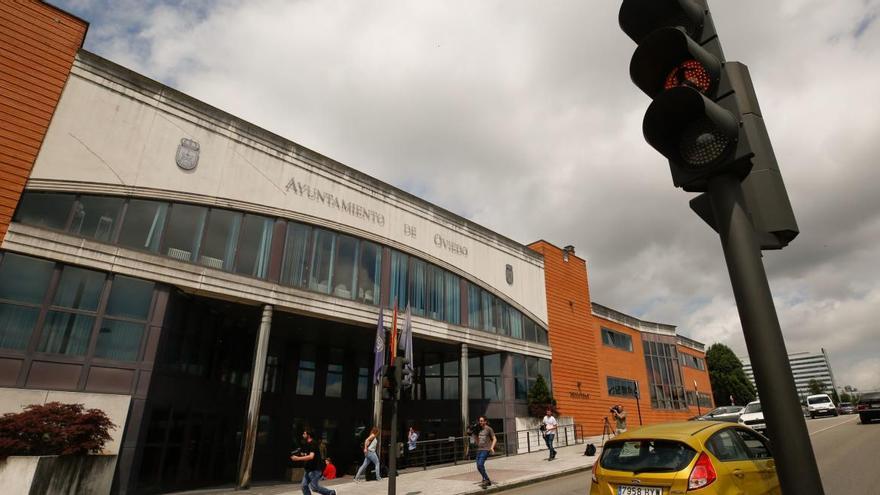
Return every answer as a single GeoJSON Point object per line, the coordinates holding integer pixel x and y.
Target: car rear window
{"type": "Point", "coordinates": [644, 456]}
{"type": "Point", "coordinates": [845, 404]}
{"type": "Point", "coordinates": [870, 396]}
{"type": "Point", "coordinates": [818, 400]}
{"type": "Point", "coordinates": [752, 408]}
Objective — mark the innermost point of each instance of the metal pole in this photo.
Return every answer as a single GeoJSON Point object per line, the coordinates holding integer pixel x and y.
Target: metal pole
{"type": "Point", "coordinates": [697, 397]}
{"type": "Point", "coordinates": [639, 403]}
{"type": "Point", "coordinates": [392, 450]}
{"type": "Point", "coordinates": [795, 461]}
{"type": "Point", "coordinates": [253, 414]}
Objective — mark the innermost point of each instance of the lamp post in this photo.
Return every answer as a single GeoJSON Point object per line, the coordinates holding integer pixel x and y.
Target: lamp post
{"type": "Point", "coordinates": [697, 396]}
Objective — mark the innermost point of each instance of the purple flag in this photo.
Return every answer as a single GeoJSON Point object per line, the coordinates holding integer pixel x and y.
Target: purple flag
{"type": "Point", "coordinates": [379, 349]}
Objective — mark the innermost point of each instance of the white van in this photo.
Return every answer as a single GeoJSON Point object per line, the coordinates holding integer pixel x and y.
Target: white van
{"type": "Point", "coordinates": [820, 404]}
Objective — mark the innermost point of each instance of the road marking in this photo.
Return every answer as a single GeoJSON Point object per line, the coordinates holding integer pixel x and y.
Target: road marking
{"type": "Point", "coordinates": [834, 426]}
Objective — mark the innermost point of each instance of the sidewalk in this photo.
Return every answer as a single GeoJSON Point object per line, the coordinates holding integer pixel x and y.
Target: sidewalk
{"type": "Point", "coordinates": [463, 479]}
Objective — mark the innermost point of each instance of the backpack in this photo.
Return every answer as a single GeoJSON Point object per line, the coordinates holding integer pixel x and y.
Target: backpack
{"type": "Point", "coordinates": [591, 450]}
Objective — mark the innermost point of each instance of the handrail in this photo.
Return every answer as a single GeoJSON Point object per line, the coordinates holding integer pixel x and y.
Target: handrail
{"type": "Point", "coordinates": [453, 450]}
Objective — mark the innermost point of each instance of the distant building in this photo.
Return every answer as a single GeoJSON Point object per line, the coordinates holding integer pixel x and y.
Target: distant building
{"type": "Point", "coordinates": [805, 366]}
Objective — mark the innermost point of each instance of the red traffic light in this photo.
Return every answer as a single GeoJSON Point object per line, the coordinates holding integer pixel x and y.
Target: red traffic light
{"type": "Point", "coordinates": [668, 58]}
{"type": "Point", "coordinates": [690, 73]}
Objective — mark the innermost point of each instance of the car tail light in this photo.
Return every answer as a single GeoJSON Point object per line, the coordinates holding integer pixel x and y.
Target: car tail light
{"type": "Point", "coordinates": [595, 464]}
{"type": "Point", "coordinates": [703, 473]}
{"type": "Point", "coordinates": [863, 407]}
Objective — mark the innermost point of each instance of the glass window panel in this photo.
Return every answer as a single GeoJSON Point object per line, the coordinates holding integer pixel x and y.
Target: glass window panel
{"type": "Point", "coordinates": [502, 322]}
{"type": "Point", "coordinates": [529, 330]}
{"type": "Point", "coordinates": [254, 245]}
{"type": "Point", "coordinates": [450, 368]}
{"type": "Point", "coordinates": [343, 266]}
{"type": "Point", "coordinates": [417, 286]}
{"type": "Point", "coordinates": [79, 288]}
{"type": "Point", "coordinates": [369, 273]}
{"type": "Point", "coordinates": [24, 279]}
{"type": "Point", "coordinates": [519, 365]}
{"type": "Point", "coordinates": [143, 224]}
{"type": "Point", "coordinates": [520, 386]}
{"type": "Point", "coordinates": [474, 312]}
{"type": "Point", "coordinates": [184, 231]}
{"type": "Point", "coordinates": [294, 269]}
{"type": "Point", "coordinates": [48, 210]}
{"type": "Point", "coordinates": [492, 387]}
{"type": "Point", "coordinates": [95, 217]}
{"type": "Point", "coordinates": [532, 367]}
{"type": "Point", "coordinates": [453, 298]}
{"type": "Point", "coordinates": [432, 388]}
{"type": "Point", "coordinates": [492, 364]}
{"type": "Point", "coordinates": [221, 236]}
{"type": "Point", "coordinates": [541, 334]}
{"type": "Point", "coordinates": [334, 385]}
{"type": "Point", "coordinates": [432, 366]}
{"type": "Point", "coordinates": [66, 333]}
{"type": "Point", "coordinates": [516, 324]}
{"type": "Point", "coordinates": [321, 266]}
{"type": "Point", "coordinates": [399, 279]}
{"type": "Point", "coordinates": [487, 305]}
{"type": "Point", "coordinates": [305, 381]}
{"type": "Point", "coordinates": [130, 297]}
{"type": "Point", "coordinates": [120, 340]}
{"type": "Point", "coordinates": [363, 383]}
{"type": "Point", "coordinates": [544, 370]}
{"type": "Point", "coordinates": [450, 388]}
{"type": "Point", "coordinates": [16, 325]}
{"type": "Point", "coordinates": [474, 366]}
{"type": "Point", "coordinates": [475, 387]}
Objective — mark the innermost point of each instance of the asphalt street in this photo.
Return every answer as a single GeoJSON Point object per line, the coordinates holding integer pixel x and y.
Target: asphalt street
{"type": "Point", "coordinates": [845, 451]}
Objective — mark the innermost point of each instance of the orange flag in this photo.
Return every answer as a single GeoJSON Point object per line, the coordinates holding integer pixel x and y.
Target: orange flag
{"type": "Point", "coordinates": [394, 333]}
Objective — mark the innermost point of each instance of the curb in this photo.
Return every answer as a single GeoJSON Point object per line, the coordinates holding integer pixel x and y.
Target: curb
{"type": "Point", "coordinates": [537, 479]}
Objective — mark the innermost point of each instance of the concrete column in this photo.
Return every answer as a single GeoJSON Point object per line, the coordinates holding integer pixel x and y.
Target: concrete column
{"type": "Point", "coordinates": [253, 413]}
{"type": "Point", "coordinates": [377, 405]}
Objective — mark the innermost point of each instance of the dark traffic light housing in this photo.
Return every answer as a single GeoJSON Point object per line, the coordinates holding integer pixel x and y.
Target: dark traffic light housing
{"type": "Point", "coordinates": [704, 117]}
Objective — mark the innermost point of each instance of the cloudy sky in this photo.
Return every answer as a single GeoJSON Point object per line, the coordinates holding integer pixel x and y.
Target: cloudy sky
{"type": "Point", "coordinates": [520, 115]}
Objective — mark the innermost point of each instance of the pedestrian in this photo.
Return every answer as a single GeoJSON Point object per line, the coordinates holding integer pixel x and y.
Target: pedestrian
{"type": "Point", "coordinates": [412, 436]}
{"type": "Point", "coordinates": [619, 419]}
{"type": "Point", "coordinates": [329, 469]}
{"type": "Point", "coordinates": [314, 467]}
{"type": "Point", "coordinates": [371, 445]}
{"type": "Point", "coordinates": [550, 424]}
{"type": "Point", "coordinates": [485, 447]}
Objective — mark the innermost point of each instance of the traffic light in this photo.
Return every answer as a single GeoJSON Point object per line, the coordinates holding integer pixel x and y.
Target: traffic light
{"type": "Point", "coordinates": [704, 117]}
{"type": "Point", "coordinates": [390, 378]}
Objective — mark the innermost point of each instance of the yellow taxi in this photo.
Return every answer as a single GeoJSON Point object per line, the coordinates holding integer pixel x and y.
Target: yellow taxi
{"type": "Point", "coordinates": [696, 457]}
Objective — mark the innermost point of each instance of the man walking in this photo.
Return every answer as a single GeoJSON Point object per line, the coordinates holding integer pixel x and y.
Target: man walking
{"type": "Point", "coordinates": [314, 467]}
{"type": "Point", "coordinates": [549, 424]}
{"type": "Point", "coordinates": [485, 446]}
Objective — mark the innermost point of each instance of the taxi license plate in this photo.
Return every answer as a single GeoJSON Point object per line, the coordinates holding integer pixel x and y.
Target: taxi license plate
{"type": "Point", "coordinates": [638, 490]}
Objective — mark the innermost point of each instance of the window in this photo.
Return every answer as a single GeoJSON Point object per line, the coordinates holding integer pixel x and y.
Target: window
{"type": "Point", "coordinates": [305, 378]}
{"type": "Point", "coordinates": [453, 298]}
{"type": "Point", "coordinates": [399, 280]}
{"type": "Point", "coordinates": [450, 378]}
{"type": "Point", "coordinates": [617, 339]}
{"type": "Point", "coordinates": [417, 286]}
{"type": "Point", "coordinates": [654, 456]}
{"type": "Point", "coordinates": [321, 266]}
{"type": "Point", "coordinates": [95, 217]}
{"type": "Point", "coordinates": [516, 324]}
{"type": "Point", "coordinates": [492, 383]}
{"type": "Point", "coordinates": [344, 266]}
{"type": "Point", "coordinates": [23, 285]}
{"type": "Point", "coordinates": [530, 330]}
{"type": "Point", "coordinates": [435, 299]}
{"type": "Point", "coordinates": [755, 445]}
{"type": "Point", "coordinates": [49, 210]}
{"type": "Point", "coordinates": [294, 267]}
{"type": "Point", "coordinates": [71, 318]}
{"type": "Point", "coordinates": [692, 361]}
{"type": "Point", "coordinates": [184, 231]}
{"type": "Point", "coordinates": [488, 307]}
{"type": "Point", "coordinates": [475, 381]}
{"type": "Point", "coordinates": [363, 377]}
{"type": "Point", "coordinates": [123, 327]}
{"type": "Point", "coordinates": [369, 273]}
{"type": "Point", "coordinates": [221, 237]}
{"type": "Point", "coordinates": [143, 224]}
{"type": "Point", "coordinates": [254, 245]}
{"type": "Point", "coordinates": [726, 446]}
{"type": "Point", "coordinates": [474, 313]}
{"type": "Point", "coordinates": [621, 387]}
{"type": "Point", "coordinates": [433, 373]}
{"type": "Point", "coordinates": [335, 371]}
{"type": "Point", "coordinates": [664, 372]}
{"type": "Point", "coordinates": [520, 380]}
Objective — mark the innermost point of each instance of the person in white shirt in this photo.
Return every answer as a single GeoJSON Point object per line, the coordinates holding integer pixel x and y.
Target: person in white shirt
{"type": "Point", "coordinates": [548, 425]}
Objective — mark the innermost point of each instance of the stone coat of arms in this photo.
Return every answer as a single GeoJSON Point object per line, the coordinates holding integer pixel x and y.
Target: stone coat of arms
{"type": "Point", "coordinates": [187, 154]}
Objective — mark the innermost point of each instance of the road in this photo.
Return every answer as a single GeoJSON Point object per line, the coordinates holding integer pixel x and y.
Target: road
{"type": "Point", "coordinates": [846, 452]}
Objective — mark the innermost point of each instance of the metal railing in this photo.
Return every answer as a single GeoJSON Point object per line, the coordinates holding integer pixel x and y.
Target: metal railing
{"type": "Point", "coordinates": [455, 450]}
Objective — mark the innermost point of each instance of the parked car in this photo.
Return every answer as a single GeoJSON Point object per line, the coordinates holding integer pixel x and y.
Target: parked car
{"type": "Point", "coordinates": [820, 405]}
{"type": "Point", "coordinates": [723, 413]}
{"type": "Point", "coordinates": [845, 408]}
{"type": "Point", "coordinates": [710, 457]}
{"type": "Point", "coordinates": [753, 417]}
{"type": "Point", "coordinates": [869, 407]}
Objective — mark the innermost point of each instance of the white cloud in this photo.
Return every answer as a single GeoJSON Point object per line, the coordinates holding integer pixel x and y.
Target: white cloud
{"type": "Point", "coordinates": [520, 115]}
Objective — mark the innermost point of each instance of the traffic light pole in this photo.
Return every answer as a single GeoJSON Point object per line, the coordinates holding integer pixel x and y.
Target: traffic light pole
{"type": "Point", "coordinates": [795, 461]}
{"type": "Point", "coordinates": [392, 449]}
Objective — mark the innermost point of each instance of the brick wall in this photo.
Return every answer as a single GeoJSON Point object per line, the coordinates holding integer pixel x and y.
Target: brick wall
{"type": "Point", "coordinates": [38, 44]}
{"type": "Point", "coordinates": [581, 363]}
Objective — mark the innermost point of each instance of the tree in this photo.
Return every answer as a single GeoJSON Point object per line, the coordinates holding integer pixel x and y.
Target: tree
{"type": "Point", "coordinates": [54, 429]}
{"type": "Point", "coordinates": [727, 376]}
{"type": "Point", "coordinates": [540, 399]}
{"type": "Point", "coordinates": [816, 387]}
{"type": "Point", "coordinates": [845, 397]}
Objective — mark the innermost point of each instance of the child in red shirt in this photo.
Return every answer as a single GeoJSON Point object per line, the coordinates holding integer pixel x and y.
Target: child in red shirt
{"type": "Point", "coordinates": [329, 470]}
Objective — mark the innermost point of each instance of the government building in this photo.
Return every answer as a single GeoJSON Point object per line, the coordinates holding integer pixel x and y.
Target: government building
{"type": "Point", "coordinates": [216, 288]}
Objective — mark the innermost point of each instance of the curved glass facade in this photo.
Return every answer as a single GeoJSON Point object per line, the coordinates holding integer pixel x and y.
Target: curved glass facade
{"type": "Point", "coordinates": [310, 257]}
